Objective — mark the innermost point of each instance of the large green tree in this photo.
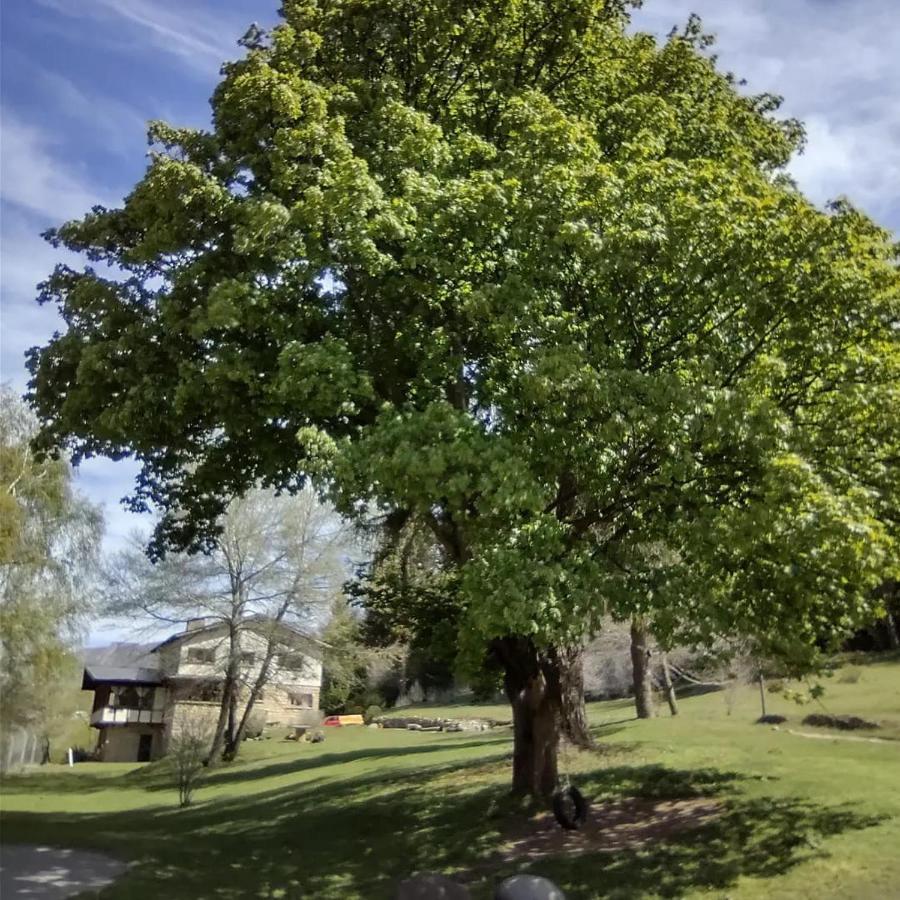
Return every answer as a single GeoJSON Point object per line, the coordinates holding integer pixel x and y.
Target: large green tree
{"type": "Point", "coordinates": [525, 275]}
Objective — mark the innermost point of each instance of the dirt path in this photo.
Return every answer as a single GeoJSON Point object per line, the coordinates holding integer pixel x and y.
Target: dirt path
{"type": "Point", "coordinates": [612, 826]}
{"type": "Point", "coordinates": [37, 872]}
{"type": "Point", "coordinates": [840, 737]}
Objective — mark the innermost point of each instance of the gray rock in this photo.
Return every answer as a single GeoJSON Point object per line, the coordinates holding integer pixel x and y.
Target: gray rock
{"type": "Point", "coordinates": [431, 887]}
{"type": "Point", "coordinates": [528, 887]}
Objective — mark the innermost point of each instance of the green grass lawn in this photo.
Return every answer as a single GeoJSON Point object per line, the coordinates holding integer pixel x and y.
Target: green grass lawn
{"type": "Point", "coordinates": [350, 817]}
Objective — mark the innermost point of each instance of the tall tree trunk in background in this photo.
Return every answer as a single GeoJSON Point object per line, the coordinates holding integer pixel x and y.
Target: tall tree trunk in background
{"type": "Point", "coordinates": [668, 686]}
{"type": "Point", "coordinates": [893, 635]}
{"type": "Point", "coordinates": [232, 716]}
{"type": "Point", "coordinates": [574, 718]}
{"type": "Point", "coordinates": [233, 744]}
{"type": "Point", "coordinates": [641, 669]}
{"type": "Point", "coordinates": [533, 686]}
{"type": "Point", "coordinates": [230, 686]}
{"type": "Point", "coordinates": [218, 741]}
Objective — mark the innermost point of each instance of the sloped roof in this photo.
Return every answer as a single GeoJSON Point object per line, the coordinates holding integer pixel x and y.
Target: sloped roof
{"type": "Point", "coordinates": [291, 630]}
{"type": "Point", "coordinates": [121, 663]}
{"type": "Point", "coordinates": [120, 654]}
{"type": "Point", "coordinates": [119, 675]}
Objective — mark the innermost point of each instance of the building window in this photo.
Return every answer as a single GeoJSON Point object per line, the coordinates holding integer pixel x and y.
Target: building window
{"type": "Point", "coordinates": [248, 658]}
{"type": "Point", "coordinates": [293, 661]}
{"type": "Point", "coordinates": [304, 701]}
{"type": "Point", "coordinates": [125, 697]}
{"type": "Point", "coordinates": [145, 697]}
{"type": "Point", "coordinates": [201, 655]}
{"type": "Point", "coordinates": [128, 696]}
{"type": "Point", "coordinates": [203, 691]}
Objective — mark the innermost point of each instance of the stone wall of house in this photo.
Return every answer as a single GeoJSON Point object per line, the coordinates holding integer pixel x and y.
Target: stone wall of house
{"type": "Point", "coordinates": [289, 666]}
{"type": "Point", "coordinates": [280, 709]}
{"type": "Point", "coordinates": [191, 717]}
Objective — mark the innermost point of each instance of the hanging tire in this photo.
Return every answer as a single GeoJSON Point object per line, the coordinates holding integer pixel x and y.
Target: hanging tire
{"type": "Point", "coordinates": [570, 808]}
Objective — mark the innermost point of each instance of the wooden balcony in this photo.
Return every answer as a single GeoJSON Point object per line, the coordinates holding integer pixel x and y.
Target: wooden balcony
{"type": "Point", "coordinates": [112, 715]}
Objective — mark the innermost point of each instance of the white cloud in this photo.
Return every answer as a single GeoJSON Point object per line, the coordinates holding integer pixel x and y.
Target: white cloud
{"type": "Point", "coordinates": [106, 482]}
{"type": "Point", "coordinates": [27, 259]}
{"type": "Point", "coordinates": [117, 126]}
{"type": "Point", "coordinates": [32, 178]}
{"type": "Point", "coordinates": [38, 188]}
{"type": "Point", "coordinates": [198, 37]}
{"type": "Point", "coordinates": [837, 65]}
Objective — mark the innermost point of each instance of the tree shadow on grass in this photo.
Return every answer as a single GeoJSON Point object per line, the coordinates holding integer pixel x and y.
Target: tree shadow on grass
{"type": "Point", "coordinates": [158, 779]}
{"type": "Point", "coordinates": [758, 838]}
{"type": "Point", "coordinates": [59, 782]}
{"type": "Point", "coordinates": [354, 838]}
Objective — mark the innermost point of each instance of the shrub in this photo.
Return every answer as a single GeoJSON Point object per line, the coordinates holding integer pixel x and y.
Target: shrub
{"type": "Point", "coordinates": [372, 713]}
{"type": "Point", "coordinates": [187, 754]}
{"type": "Point", "coordinates": [188, 751]}
{"type": "Point", "coordinates": [255, 724]}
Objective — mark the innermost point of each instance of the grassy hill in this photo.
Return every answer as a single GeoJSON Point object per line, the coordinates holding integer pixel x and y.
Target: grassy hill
{"type": "Point", "coordinates": [705, 804]}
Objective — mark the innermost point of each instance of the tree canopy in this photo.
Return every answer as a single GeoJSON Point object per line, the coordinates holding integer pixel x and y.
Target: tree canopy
{"type": "Point", "coordinates": [533, 278]}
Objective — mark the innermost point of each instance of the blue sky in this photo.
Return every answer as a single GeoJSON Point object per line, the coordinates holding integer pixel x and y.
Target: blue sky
{"type": "Point", "coordinates": [81, 77]}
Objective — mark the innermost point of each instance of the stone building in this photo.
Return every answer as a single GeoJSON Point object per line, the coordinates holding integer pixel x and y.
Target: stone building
{"type": "Point", "coordinates": [145, 694]}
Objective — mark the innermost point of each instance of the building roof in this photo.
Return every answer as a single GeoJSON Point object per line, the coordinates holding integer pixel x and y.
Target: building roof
{"type": "Point", "coordinates": [120, 654]}
{"type": "Point", "coordinates": [121, 663]}
{"type": "Point", "coordinates": [314, 643]}
{"type": "Point", "coordinates": [94, 675]}
{"type": "Point", "coordinates": [127, 663]}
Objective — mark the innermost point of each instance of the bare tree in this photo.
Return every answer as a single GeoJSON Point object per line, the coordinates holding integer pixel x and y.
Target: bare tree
{"type": "Point", "coordinates": [187, 753]}
{"type": "Point", "coordinates": [278, 562]}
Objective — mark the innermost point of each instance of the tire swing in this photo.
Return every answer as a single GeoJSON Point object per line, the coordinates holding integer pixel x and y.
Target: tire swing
{"type": "Point", "coordinates": [570, 806]}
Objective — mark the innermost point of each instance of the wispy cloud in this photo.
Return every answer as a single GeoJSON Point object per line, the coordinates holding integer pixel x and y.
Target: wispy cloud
{"type": "Point", "coordinates": [200, 38]}
{"type": "Point", "coordinates": [117, 126]}
{"type": "Point", "coordinates": [36, 178]}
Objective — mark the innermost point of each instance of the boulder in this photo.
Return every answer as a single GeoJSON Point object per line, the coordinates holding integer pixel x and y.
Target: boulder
{"type": "Point", "coordinates": [431, 887]}
{"type": "Point", "coordinates": [528, 887]}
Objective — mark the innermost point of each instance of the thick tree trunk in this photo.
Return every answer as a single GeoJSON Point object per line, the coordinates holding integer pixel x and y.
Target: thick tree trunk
{"type": "Point", "coordinates": [642, 670]}
{"type": "Point", "coordinates": [668, 686]}
{"type": "Point", "coordinates": [574, 718]}
{"type": "Point", "coordinates": [531, 679]}
{"type": "Point", "coordinates": [892, 632]}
